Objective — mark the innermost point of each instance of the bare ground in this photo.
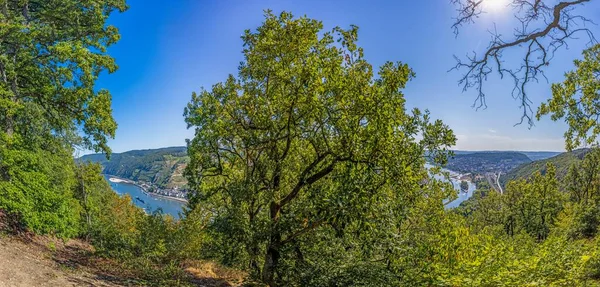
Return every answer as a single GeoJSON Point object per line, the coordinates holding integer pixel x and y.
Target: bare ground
{"type": "Point", "coordinates": [44, 261]}
{"type": "Point", "coordinates": [31, 263]}
{"type": "Point", "coordinates": [31, 260]}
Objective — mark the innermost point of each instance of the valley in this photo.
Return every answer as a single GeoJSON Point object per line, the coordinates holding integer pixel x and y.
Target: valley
{"type": "Point", "coordinates": [495, 168]}
{"type": "Point", "coordinates": [299, 143]}
{"type": "Point", "coordinates": [156, 171]}
{"type": "Point", "coordinates": [159, 172]}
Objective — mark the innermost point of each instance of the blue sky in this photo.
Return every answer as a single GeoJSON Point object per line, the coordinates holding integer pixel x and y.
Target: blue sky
{"type": "Point", "coordinates": [167, 51]}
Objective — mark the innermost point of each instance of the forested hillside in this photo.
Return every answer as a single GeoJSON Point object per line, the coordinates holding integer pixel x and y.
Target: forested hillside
{"type": "Point", "coordinates": [561, 162]}
{"type": "Point", "coordinates": [162, 167]}
{"type": "Point", "coordinates": [539, 155]}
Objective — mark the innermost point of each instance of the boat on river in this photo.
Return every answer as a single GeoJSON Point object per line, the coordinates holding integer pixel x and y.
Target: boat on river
{"type": "Point", "coordinates": [140, 200]}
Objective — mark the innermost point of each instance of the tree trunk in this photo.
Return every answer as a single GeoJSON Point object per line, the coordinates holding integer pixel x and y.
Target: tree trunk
{"type": "Point", "coordinates": [272, 256]}
{"type": "Point", "coordinates": [253, 252]}
{"type": "Point", "coordinates": [85, 203]}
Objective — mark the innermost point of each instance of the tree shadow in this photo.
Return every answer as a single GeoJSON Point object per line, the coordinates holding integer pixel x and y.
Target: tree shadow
{"type": "Point", "coordinates": [83, 267]}
{"type": "Point", "coordinates": [75, 257]}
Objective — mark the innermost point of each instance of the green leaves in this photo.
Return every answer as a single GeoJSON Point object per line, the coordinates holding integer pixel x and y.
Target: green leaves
{"type": "Point", "coordinates": [577, 100]}
{"type": "Point", "coordinates": [40, 191]}
{"type": "Point", "coordinates": [51, 55]}
{"type": "Point", "coordinates": [533, 206]}
{"type": "Point", "coordinates": [305, 140]}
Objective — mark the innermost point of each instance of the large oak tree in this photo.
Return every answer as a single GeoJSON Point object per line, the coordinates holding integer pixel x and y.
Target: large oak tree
{"type": "Point", "coordinates": [308, 138]}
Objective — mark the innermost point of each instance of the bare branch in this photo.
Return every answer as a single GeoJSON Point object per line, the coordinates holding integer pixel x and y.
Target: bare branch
{"type": "Point", "coordinates": [543, 30]}
{"type": "Point", "coordinates": [467, 11]}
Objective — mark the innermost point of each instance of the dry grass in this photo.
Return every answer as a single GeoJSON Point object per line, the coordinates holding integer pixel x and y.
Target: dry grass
{"type": "Point", "coordinates": [27, 259]}
{"type": "Point", "coordinates": [215, 274]}
{"type": "Point", "coordinates": [31, 260]}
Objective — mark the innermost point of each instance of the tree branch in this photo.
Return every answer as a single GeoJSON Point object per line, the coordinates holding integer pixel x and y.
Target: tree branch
{"type": "Point", "coordinates": [540, 46]}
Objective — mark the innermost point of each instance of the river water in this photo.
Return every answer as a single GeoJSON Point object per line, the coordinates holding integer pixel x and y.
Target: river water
{"type": "Point", "coordinates": [145, 201]}
{"type": "Point", "coordinates": [462, 196]}
{"type": "Point", "coordinates": [174, 207]}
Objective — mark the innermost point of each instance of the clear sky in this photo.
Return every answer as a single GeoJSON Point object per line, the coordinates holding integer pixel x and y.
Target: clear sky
{"type": "Point", "coordinates": [169, 49]}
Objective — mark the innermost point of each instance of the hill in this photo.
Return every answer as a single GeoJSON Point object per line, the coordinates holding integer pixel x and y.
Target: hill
{"type": "Point", "coordinates": [539, 155]}
{"type": "Point", "coordinates": [533, 155]}
{"type": "Point", "coordinates": [562, 162]}
{"type": "Point", "coordinates": [161, 167]}
{"type": "Point", "coordinates": [489, 161]}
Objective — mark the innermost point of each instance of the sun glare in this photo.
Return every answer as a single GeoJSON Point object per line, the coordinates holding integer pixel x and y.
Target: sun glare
{"type": "Point", "coordinates": [495, 5]}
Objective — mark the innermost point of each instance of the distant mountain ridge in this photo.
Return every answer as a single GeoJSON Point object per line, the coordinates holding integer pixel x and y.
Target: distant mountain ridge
{"type": "Point", "coordinates": [562, 162]}
{"type": "Point", "coordinates": [162, 167]}
{"type": "Point", "coordinates": [533, 155]}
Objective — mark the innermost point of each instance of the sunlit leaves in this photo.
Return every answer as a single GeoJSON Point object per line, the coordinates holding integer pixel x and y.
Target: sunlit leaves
{"type": "Point", "coordinates": [577, 101]}
{"type": "Point", "coordinates": [51, 55]}
{"type": "Point", "coordinates": [306, 142]}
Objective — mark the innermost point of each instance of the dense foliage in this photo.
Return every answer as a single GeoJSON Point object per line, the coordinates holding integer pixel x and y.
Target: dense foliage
{"type": "Point", "coordinates": [576, 100]}
{"type": "Point", "coordinates": [306, 146]}
{"type": "Point", "coordinates": [290, 159]}
{"type": "Point", "coordinates": [51, 54]}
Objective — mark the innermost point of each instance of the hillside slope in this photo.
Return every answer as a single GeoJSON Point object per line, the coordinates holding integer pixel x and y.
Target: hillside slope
{"type": "Point", "coordinates": [482, 162]}
{"type": "Point", "coordinates": [38, 261]}
{"type": "Point", "coordinates": [162, 167]}
{"type": "Point", "coordinates": [562, 162]}
{"type": "Point", "coordinates": [47, 261]}
{"type": "Point", "coordinates": [539, 155]}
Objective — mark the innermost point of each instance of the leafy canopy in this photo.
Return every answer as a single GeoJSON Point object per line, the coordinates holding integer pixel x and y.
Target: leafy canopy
{"type": "Point", "coordinates": [306, 138]}
{"type": "Point", "coordinates": [51, 54]}
{"type": "Point", "coordinates": [577, 100]}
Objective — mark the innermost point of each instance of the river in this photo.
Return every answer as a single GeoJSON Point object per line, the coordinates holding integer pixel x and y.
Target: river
{"type": "Point", "coordinates": [462, 196]}
{"type": "Point", "coordinates": [454, 178]}
{"type": "Point", "coordinates": [150, 203]}
{"type": "Point", "coordinates": [174, 207]}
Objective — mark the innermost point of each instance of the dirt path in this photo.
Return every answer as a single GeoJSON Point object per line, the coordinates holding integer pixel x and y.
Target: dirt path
{"type": "Point", "coordinates": [45, 261]}
{"type": "Point", "coordinates": [33, 264]}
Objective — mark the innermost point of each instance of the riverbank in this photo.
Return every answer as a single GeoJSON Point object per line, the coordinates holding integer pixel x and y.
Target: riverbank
{"type": "Point", "coordinates": [120, 180]}
{"type": "Point", "coordinates": [116, 179]}
{"type": "Point", "coordinates": [148, 202]}
{"type": "Point", "coordinates": [167, 197]}
{"type": "Point", "coordinates": [455, 179]}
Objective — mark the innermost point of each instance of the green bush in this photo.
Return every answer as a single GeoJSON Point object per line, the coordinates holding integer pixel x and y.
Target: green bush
{"type": "Point", "coordinates": [39, 191]}
{"type": "Point", "coordinates": [585, 222]}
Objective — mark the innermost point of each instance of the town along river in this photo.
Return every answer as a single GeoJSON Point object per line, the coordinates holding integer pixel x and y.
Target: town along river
{"type": "Point", "coordinates": [145, 201]}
